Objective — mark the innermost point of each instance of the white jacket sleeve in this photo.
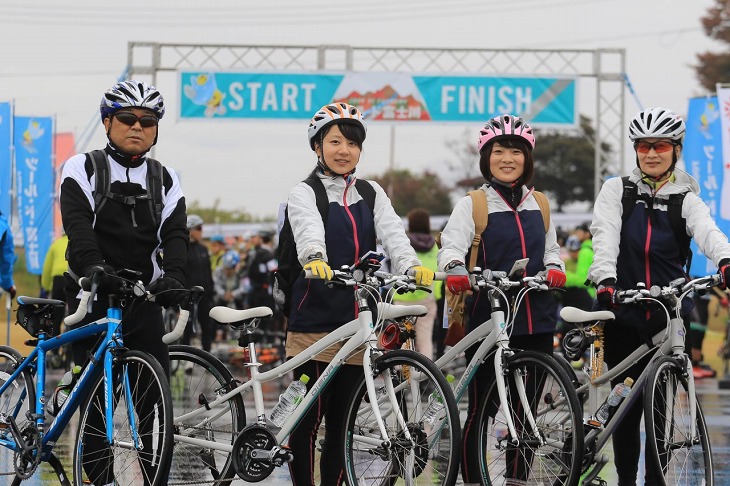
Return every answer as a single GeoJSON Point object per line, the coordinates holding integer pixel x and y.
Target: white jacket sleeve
{"type": "Point", "coordinates": [392, 234]}
{"type": "Point", "coordinates": [702, 228]}
{"type": "Point", "coordinates": [306, 222]}
{"type": "Point", "coordinates": [457, 236]}
{"type": "Point", "coordinates": [552, 249]}
{"type": "Point", "coordinates": [606, 230]}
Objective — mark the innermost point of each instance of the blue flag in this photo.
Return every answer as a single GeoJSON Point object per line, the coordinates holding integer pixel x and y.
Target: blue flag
{"type": "Point", "coordinates": [34, 183]}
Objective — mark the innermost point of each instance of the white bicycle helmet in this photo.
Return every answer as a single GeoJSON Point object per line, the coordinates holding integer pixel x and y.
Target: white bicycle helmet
{"type": "Point", "coordinates": [505, 126]}
{"type": "Point", "coordinates": [656, 123]}
{"type": "Point", "coordinates": [130, 93]}
{"type": "Point", "coordinates": [332, 113]}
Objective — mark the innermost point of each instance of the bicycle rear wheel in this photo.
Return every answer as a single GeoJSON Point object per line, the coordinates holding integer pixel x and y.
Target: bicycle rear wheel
{"type": "Point", "coordinates": [142, 426]}
{"type": "Point", "coordinates": [554, 454]}
{"type": "Point", "coordinates": [16, 401]}
{"type": "Point", "coordinates": [678, 455]}
{"type": "Point", "coordinates": [432, 454]}
{"type": "Point", "coordinates": [198, 376]}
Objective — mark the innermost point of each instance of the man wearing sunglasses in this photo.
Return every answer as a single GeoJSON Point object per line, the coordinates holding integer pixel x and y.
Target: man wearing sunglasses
{"type": "Point", "coordinates": [117, 228]}
{"type": "Point", "coordinates": [641, 233]}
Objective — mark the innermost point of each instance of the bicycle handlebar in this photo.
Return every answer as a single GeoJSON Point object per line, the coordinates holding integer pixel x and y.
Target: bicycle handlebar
{"type": "Point", "coordinates": [498, 279]}
{"type": "Point", "coordinates": [138, 290]}
{"type": "Point", "coordinates": [675, 288]}
{"type": "Point", "coordinates": [347, 277]}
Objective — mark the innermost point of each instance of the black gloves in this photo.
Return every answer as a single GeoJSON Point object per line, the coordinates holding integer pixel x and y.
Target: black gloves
{"type": "Point", "coordinates": [168, 291]}
{"type": "Point", "coordinates": [107, 283]}
{"type": "Point", "coordinates": [605, 293]}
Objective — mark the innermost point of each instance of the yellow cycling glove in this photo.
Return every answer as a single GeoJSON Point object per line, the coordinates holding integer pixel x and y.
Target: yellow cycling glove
{"type": "Point", "coordinates": [424, 276]}
{"type": "Point", "coordinates": [319, 268]}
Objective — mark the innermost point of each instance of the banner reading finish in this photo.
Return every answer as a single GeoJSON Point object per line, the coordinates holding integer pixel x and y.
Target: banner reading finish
{"type": "Point", "coordinates": [380, 96]}
{"type": "Point", "coordinates": [34, 183]}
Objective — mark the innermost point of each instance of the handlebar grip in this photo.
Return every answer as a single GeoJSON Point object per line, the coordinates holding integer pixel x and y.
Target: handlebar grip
{"type": "Point", "coordinates": [440, 276]}
{"type": "Point", "coordinates": [81, 311]}
{"type": "Point", "coordinates": [309, 274]}
{"type": "Point", "coordinates": [177, 332]}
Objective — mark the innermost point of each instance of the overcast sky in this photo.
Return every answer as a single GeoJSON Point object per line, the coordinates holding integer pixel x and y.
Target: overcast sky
{"type": "Point", "coordinates": [58, 58]}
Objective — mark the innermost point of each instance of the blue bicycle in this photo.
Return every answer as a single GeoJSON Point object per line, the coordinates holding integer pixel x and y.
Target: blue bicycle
{"type": "Point", "coordinates": [125, 433]}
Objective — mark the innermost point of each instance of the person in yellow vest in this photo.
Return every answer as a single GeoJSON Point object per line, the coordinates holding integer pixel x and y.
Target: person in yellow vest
{"type": "Point", "coordinates": [419, 233]}
{"type": "Point", "coordinates": [54, 266]}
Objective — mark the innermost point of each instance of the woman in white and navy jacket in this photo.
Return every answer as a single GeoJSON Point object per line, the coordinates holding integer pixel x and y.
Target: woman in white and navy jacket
{"type": "Point", "coordinates": [637, 241]}
{"type": "Point", "coordinates": [515, 230]}
{"type": "Point", "coordinates": [336, 134]}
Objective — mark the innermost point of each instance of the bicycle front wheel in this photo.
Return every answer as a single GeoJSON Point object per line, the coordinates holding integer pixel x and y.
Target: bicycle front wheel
{"type": "Point", "coordinates": [551, 452]}
{"type": "Point", "coordinates": [678, 448]}
{"type": "Point", "coordinates": [197, 378]}
{"type": "Point", "coordinates": [426, 451]}
{"type": "Point", "coordinates": [141, 445]}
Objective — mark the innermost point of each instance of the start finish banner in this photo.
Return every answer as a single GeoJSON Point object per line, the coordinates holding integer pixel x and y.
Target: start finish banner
{"type": "Point", "coordinates": [390, 97]}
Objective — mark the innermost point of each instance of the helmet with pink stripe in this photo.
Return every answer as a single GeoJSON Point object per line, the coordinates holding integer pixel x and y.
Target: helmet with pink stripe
{"type": "Point", "coordinates": [505, 126]}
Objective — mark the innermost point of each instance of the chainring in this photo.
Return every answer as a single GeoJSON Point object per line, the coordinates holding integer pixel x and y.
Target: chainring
{"type": "Point", "coordinates": [252, 437]}
{"type": "Point", "coordinates": [26, 462]}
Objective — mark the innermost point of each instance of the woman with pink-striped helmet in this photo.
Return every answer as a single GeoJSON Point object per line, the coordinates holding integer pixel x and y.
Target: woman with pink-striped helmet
{"type": "Point", "coordinates": [508, 132]}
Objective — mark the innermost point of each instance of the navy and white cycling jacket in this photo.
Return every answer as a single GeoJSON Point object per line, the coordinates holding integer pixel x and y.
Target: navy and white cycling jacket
{"type": "Point", "coordinates": [113, 236]}
{"type": "Point", "coordinates": [351, 231]}
{"type": "Point", "coordinates": [645, 248]}
{"type": "Point", "coordinates": [511, 234]}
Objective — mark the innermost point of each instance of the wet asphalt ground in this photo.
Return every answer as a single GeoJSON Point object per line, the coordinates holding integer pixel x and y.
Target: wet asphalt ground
{"type": "Point", "coordinates": [715, 403]}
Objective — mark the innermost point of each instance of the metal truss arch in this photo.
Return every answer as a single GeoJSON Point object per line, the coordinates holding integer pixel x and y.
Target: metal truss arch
{"type": "Point", "coordinates": [603, 69]}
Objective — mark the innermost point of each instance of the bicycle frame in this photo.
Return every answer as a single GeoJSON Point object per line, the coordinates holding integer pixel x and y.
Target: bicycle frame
{"type": "Point", "coordinates": [485, 333]}
{"type": "Point", "coordinates": [35, 363]}
{"type": "Point", "coordinates": [668, 342]}
{"type": "Point", "coordinates": [356, 333]}
{"type": "Point", "coordinates": [674, 346]}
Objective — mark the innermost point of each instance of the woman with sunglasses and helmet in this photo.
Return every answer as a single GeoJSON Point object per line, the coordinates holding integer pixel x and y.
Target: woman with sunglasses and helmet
{"type": "Point", "coordinates": [336, 134]}
{"type": "Point", "coordinates": [639, 243]}
{"type": "Point", "coordinates": [515, 230]}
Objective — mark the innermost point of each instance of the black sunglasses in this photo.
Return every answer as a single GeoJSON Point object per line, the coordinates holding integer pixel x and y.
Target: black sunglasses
{"type": "Point", "coordinates": [130, 119]}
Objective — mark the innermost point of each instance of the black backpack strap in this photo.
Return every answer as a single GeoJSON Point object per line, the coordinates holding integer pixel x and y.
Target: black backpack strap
{"type": "Point", "coordinates": [154, 189]}
{"type": "Point", "coordinates": [629, 197]}
{"type": "Point", "coordinates": [320, 195]}
{"type": "Point", "coordinates": [103, 180]}
{"type": "Point", "coordinates": [679, 227]}
{"type": "Point", "coordinates": [367, 192]}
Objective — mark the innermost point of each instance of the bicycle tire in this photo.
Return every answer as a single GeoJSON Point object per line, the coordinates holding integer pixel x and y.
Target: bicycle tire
{"type": "Point", "coordinates": [558, 451]}
{"type": "Point", "coordinates": [152, 405]}
{"type": "Point", "coordinates": [17, 400]}
{"type": "Point", "coordinates": [677, 458]}
{"type": "Point", "coordinates": [434, 459]}
{"type": "Point", "coordinates": [195, 372]}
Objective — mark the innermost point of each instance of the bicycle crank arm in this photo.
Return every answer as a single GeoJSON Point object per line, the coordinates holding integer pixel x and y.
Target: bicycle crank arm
{"type": "Point", "coordinates": [276, 456]}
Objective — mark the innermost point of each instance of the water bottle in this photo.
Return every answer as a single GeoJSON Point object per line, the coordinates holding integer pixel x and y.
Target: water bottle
{"type": "Point", "coordinates": [435, 404]}
{"type": "Point", "coordinates": [289, 400]}
{"type": "Point", "coordinates": [62, 391]}
{"type": "Point", "coordinates": [619, 392]}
